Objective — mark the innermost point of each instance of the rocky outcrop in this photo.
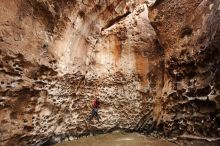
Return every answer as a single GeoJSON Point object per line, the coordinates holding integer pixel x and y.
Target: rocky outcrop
{"type": "Point", "coordinates": [56, 56]}
{"type": "Point", "coordinates": [150, 75]}
{"type": "Point", "coordinates": [189, 33]}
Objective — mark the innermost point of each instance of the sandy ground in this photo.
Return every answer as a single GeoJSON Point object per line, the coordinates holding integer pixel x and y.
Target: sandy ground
{"type": "Point", "coordinates": [117, 139]}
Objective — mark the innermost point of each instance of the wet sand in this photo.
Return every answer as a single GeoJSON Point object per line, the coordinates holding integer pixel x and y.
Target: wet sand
{"type": "Point", "coordinates": [117, 139]}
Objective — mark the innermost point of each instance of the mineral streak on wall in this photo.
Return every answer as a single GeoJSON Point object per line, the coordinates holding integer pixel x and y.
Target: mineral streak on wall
{"type": "Point", "coordinates": [153, 71]}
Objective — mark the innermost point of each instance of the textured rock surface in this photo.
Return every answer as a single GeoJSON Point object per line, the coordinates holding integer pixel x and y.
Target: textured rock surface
{"type": "Point", "coordinates": [189, 31]}
{"type": "Point", "coordinates": [57, 55]}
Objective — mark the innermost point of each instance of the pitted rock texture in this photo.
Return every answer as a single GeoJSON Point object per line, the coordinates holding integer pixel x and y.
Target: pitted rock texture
{"type": "Point", "coordinates": [57, 56]}
{"type": "Point", "coordinates": [189, 32]}
{"type": "Point", "coordinates": [160, 74]}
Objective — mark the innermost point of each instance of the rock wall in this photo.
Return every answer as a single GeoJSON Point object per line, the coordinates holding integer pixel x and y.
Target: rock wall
{"type": "Point", "coordinates": [189, 32]}
{"type": "Point", "coordinates": [57, 56]}
{"type": "Point", "coordinates": [160, 74]}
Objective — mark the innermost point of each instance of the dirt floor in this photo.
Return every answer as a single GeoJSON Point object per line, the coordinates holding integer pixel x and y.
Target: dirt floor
{"type": "Point", "coordinates": [117, 139]}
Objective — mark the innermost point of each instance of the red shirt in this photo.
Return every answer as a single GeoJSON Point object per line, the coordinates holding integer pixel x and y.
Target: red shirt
{"type": "Point", "coordinates": [96, 104]}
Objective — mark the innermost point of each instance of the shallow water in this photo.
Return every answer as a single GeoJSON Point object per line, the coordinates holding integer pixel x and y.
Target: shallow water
{"type": "Point", "coordinates": [117, 139]}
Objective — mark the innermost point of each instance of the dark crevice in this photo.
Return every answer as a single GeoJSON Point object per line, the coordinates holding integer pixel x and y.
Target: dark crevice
{"type": "Point", "coordinates": [115, 20]}
{"type": "Point", "coordinates": [199, 92]}
{"type": "Point", "coordinates": [186, 31]}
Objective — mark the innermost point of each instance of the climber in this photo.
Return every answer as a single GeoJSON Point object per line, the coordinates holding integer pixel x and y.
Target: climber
{"type": "Point", "coordinates": [94, 112]}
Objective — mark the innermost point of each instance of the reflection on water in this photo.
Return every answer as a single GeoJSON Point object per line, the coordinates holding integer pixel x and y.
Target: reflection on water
{"type": "Point", "coordinates": [117, 139]}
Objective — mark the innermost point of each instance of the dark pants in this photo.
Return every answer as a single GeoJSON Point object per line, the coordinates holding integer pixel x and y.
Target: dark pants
{"type": "Point", "coordinates": [94, 113]}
